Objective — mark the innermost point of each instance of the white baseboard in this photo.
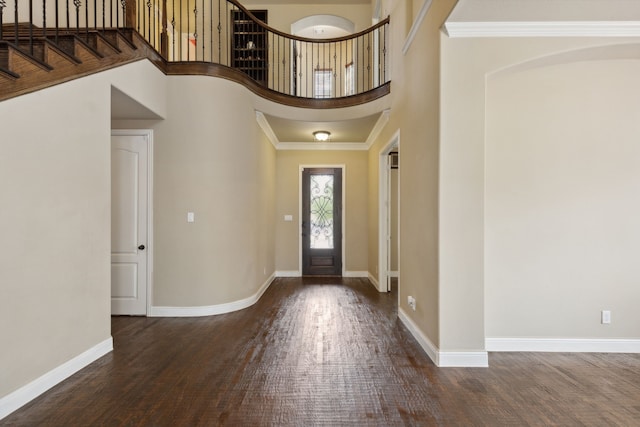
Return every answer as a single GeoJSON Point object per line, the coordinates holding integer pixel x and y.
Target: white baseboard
{"type": "Point", "coordinates": [35, 388]}
{"type": "Point", "coordinates": [360, 274]}
{"type": "Point", "coordinates": [374, 281]}
{"type": "Point", "coordinates": [564, 345]}
{"type": "Point", "coordinates": [425, 343]}
{"type": "Point", "coordinates": [211, 310]}
{"type": "Point", "coordinates": [463, 359]}
{"type": "Point", "coordinates": [288, 274]}
{"type": "Point", "coordinates": [442, 359]}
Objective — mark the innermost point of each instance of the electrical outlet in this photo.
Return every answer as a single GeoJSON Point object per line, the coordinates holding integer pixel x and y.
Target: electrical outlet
{"type": "Point", "coordinates": [606, 317]}
{"type": "Point", "coordinates": [412, 302]}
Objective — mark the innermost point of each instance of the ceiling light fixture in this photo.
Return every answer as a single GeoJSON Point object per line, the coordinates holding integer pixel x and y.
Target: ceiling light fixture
{"type": "Point", "coordinates": [321, 135]}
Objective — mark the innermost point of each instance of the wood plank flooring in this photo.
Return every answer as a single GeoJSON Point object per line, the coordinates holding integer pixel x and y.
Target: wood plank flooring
{"type": "Point", "coordinates": [325, 352]}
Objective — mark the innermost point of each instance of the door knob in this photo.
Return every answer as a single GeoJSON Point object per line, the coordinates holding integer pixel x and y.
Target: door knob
{"type": "Point", "coordinates": [141, 247]}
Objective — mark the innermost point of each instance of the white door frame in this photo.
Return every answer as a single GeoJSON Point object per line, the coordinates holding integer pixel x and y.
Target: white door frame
{"type": "Point", "coordinates": [148, 134]}
{"type": "Point", "coordinates": [384, 205]}
{"type": "Point", "coordinates": [344, 225]}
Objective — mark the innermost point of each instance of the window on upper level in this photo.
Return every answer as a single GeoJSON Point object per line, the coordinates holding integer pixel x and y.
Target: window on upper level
{"type": "Point", "coordinates": [323, 83]}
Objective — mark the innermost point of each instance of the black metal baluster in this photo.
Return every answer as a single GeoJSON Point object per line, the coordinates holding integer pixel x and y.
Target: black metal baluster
{"type": "Point", "coordinates": [95, 14]}
{"type": "Point", "coordinates": [124, 13]}
{"type": "Point", "coordinates": [335, 70]}
{"type": "Point", "coordinates": [173, 30]}
{"type": "Point", "coordinates": [229, 49]}
{"type": "Point", "coordinates": [76, 3]}
{"type": "Point", "coordinates": [86, 19]}
{"type": "Point", "coordinates": [386, 78]}
{"type": "Point", "coordinates": [308, 54]}
{"type": "Point", "coordinates": [31, 27]}
{"type": "Point", "coordinates": [44, 19]}
{"type": "Point", "coordinates": [188, 32]}
{"type": "Point", "coordinates": [219, 33]}
{"type": "Point", "coordinates": [15, 23]}
{"type": "Point", "coordinates": [370, 59]}
{"type": "Point", "coordinates": [147, 23]}
{"type": "Point", "coordinates": [153, 19]}
{"type": "Point", "coordinates": [57, 23]}
{"type": "Point", "coordinates": [195, 30]}
{"type": "Point", "coordinates": [204, 44]}
{"type": "Point", "coordinates": [211, 36]}
{"type": "Point", "coordinates": [3, 4]}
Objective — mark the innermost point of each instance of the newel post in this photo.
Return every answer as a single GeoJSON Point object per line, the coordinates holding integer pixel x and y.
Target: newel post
{"type": "Point", "coordinates": [130, 13]}
{"type": "Point", "coordinates": [164, 36]}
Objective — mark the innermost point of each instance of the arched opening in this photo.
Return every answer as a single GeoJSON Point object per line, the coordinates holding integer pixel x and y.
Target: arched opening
{"type": "Point", "coordinates": [325, 70]}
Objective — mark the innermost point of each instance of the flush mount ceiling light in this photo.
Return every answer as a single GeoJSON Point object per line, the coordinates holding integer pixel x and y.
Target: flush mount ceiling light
{"type": "Point", "coordinates": [321, 135]}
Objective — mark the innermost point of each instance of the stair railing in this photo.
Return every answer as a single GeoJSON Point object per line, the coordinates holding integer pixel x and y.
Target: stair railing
{"type": "Point", "coordinates": [219, 32]}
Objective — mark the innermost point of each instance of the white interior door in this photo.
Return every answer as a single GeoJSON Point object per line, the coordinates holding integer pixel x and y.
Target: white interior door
{"type": "Point", "coordinates": [129, 217]}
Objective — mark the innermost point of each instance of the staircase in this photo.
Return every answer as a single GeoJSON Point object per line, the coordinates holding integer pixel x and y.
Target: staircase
{"type": "Point", "coordinates": [32, 59]}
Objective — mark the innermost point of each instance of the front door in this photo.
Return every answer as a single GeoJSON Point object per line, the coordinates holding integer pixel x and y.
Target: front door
{"type": "Point", "coordinates": [322, 222]}
{"type": "Point", "coordinates": [129, 192]}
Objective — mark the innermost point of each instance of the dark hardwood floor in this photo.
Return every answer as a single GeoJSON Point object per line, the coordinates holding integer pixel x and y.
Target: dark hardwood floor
{"type": "Point", "coordinates": [325, 352]}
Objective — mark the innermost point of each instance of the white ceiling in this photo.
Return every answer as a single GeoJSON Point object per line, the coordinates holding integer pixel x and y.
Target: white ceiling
{"type": "Point", "coordinates": [342, 131]}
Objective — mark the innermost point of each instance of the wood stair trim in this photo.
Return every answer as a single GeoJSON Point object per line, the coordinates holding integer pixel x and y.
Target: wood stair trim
{"type": "Point", "coordinates": [50, 47]}
{"type": "Point", "coordinates": [20, 61]}
{"type": "Point", "coordinates": [9, 75]}
{"type": "Point", "coordinates": [82, 44]}
{"type": "Point", "coordinates": [125, 35]}
{"type": "Point", "coordinates": [60, 61]}
{"type": "Point", "coordinates": [104, 46]}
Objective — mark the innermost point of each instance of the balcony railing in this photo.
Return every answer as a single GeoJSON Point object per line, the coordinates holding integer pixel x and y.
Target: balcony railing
{"type": "Point", "coordinates": [223, 32]}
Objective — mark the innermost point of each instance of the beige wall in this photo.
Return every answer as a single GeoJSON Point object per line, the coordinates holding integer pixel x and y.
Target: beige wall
{"type": "Point", "coordinates": [55, 220]}
{"type": "Point", "coordinates": [562, 184]}
{"type": "Point", "coordinates": [465, 67]}
{"type": "Point", "coordinates": [415, 113]}
{"type": "Point", "coordinates": [211, 158]}
{"type": "Point", "coordinates": [288, 203]}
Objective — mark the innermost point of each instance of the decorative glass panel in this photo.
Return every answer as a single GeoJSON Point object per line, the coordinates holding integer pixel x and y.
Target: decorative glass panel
{"type": "Point", "coordinates": [321, 211]}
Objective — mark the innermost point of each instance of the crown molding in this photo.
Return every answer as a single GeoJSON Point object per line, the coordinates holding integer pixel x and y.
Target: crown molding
{"type": "Point", "coordinates": [379, 126]}
{"type": "Point", "coordinates": [320, 146]}
{"type": "Point", "coordinates": [266, 128]}
{"type": "Point", "coordinates": [417, 23]}
{"type": "Point", "coordinates": [543, 29]}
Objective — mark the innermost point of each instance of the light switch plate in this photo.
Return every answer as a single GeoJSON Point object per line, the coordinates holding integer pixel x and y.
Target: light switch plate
{"type": "Point", "coordinates": [191, 217]}
{"type": "Point", "coordinates": [288, 217]}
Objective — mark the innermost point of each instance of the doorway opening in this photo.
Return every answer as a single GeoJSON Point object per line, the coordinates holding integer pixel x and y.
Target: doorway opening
{"type": "Point", "coordinates": [389, 214]}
